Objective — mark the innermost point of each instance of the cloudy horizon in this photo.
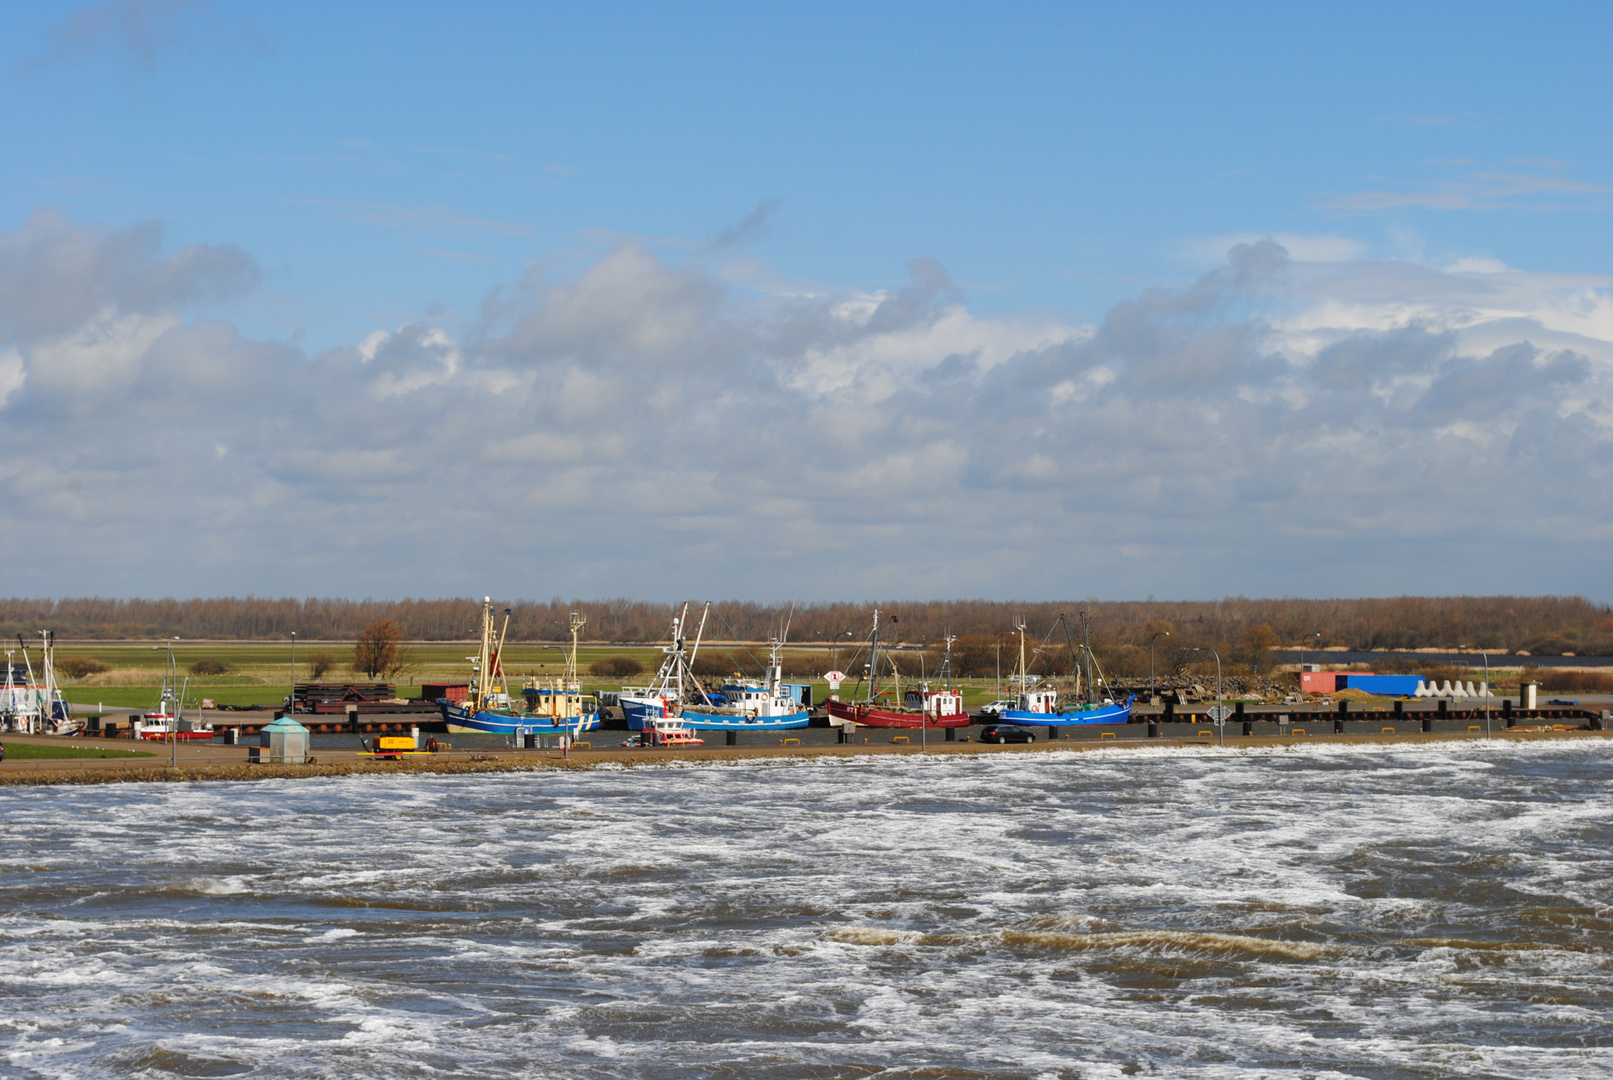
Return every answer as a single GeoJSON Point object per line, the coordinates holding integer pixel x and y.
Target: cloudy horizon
{"type": "Point", "coordinates": [1329, 406]}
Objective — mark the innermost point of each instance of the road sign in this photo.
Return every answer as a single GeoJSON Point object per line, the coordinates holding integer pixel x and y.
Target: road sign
{"type": "Point", "coordinates": [834, 679]}
{"type": "Point", "coordinates": [1219, 713]}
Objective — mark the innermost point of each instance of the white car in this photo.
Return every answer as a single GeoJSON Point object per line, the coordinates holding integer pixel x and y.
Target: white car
{"type": "Point", "coordinates": [996, 708]}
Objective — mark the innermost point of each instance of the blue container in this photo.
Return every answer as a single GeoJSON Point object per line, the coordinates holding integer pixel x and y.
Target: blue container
{"type": "Point", "coordinates": [1385, 685]}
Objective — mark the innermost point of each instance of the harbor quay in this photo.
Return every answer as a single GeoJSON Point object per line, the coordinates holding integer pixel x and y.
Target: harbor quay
{"type": "Point", "coordinates": [343, 754]}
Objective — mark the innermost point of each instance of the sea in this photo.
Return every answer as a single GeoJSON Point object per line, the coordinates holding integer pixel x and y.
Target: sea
{"type": "Point", "coordinates": [1328, 911]}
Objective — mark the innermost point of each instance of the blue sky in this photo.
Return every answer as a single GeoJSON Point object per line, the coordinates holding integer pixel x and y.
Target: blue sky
{"type": "Point", "coordinates": [841, 221]}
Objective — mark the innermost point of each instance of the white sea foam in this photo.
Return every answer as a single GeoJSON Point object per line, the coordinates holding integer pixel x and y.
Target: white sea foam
{"type": "Point", "coordinates": [1319, 911]}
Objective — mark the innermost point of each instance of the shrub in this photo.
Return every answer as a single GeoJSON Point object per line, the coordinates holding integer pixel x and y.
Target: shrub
{"type": "Point", "coordinates": [209, 666]}
{"type": "Point", "coordinates": [319, 664]}
{"type": "Point", "coordinates": [76, 667]}
{"type": "Point", "coordinates": [617, 667]}
{"type": "Point", "coordinates": [1557, 680]}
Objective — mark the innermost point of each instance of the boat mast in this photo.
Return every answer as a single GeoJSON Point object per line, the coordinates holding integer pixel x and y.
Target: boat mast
{"type": "Point", "coordinates": [578, 620]}
{"type": "Point", "coordinates": [1086, 647]}
{"type": "Point", "coordinates": [948, 662]}
{"type": "Point", "coordinates": [1024, 672]}
{"type": "Point", "coordinates": [484, 660]}
{"type": "Point", "coordinates": [873, 665]}
{"type": "Point", "coordinates": [677, 648]}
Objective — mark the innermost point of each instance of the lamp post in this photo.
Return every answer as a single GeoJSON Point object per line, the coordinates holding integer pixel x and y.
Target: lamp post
{"type": "Point", "coordinates": [1302, 642]}
{"type": "Point", "coordinates": [1486, 657]}
{"type": "Point", "coordinates": [292, 711]}
{"type": "Point", "coordinates": [999, 693]}
{"type": "Point", "coordinates": [1159, 634]}
{"type": "Point", "coordinates": [173, 723]}
{"type": "Point", "coordinates": [1221, 722]}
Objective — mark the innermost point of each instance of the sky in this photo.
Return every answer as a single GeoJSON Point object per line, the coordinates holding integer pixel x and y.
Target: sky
{"type": "Point", "coordinates": [817, 301]}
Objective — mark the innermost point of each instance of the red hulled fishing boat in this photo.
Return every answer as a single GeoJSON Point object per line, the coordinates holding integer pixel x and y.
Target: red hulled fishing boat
{"type": "Point", "coordinates": [920, 707]}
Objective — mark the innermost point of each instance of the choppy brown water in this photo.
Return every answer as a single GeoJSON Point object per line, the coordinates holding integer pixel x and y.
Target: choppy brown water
{"type": "Point", "coordinates": [1373, 912]}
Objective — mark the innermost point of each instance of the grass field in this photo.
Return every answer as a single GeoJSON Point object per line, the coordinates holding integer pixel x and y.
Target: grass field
{"type": "Point", "coordinates": [36, 752]}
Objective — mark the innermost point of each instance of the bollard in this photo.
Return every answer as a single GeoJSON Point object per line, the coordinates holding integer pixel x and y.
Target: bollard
{"type": "Point", "coordinates": [1170, 712]}
{"type": "Point", "coordinates": [1512, 720]}
{"type": "Point", "coordinates": [1248, 727]}
{"type": "Point", "coordinates": [1506, 711]}
{"type": "Point", "coordinates": [1428, 722]}
{"type": "Point", "coordinates": [733, 739]}
{"type": "Point", "coordinates": [1444, 708]}
{"type": "Point", "coordinates": [1153, 729]}
{"type": "Point", "coordinates": [952, 735]}
{"type": "Point", "coordinates": [352, 718]}
{"type": "Point", "coordinates": [1400, 708]}
{"type": "Point", "coordinates": [414, 733]}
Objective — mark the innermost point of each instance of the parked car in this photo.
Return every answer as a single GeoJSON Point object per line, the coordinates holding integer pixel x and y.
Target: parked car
{"type": "Point", "coordinates": [995, 708]}
{"type": "Point", "coordinates": [1561, 701]}
{"type": "Point", "coordinates": [1007, 733]}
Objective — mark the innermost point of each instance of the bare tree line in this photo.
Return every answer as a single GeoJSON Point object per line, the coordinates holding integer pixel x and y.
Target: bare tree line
{"type": "Point", "coordinates": [1542, 624]}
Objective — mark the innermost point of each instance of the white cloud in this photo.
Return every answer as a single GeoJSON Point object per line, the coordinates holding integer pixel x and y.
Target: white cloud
{"type": "Point", "coordinates": [641, 428]}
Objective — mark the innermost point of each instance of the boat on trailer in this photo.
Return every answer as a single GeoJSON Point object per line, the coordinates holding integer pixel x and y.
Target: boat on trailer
{"type": "Point", "coordinates": [916, 707]}
{"type": "Point", "coordinates": [550, 707]}
{"type": "Point", "coordinates": [1042, 708]}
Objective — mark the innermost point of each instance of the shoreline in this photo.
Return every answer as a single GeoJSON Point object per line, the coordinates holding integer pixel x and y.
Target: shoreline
{"type": "Point", "coordinates": [204, 764]}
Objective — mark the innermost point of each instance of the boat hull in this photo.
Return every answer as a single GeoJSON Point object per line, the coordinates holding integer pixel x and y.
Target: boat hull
{"type": "Point", "coordinates": [638, 712]}
{"type": "Point", "coordinates": [462, 721]}
{"type": "Point", "coordinates": [718, 722]}
{"type": "Point", "coordinates": [164, 736]}
{"type": "Point", "coordinates": [862, 714]}
{"type": "Point", "coordinates": [1111, 713]}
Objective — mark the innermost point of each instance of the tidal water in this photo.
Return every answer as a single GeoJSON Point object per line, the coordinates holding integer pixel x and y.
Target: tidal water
{"type": "Point", "coordinates": [1321, 912]}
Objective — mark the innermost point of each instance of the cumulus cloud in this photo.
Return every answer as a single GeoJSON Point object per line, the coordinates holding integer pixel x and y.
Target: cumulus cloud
{"type": "Point", "coordinates": [1278, 425]}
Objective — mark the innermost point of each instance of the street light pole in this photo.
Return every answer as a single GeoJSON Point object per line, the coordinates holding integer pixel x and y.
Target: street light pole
{"type": "Point", "coordinates": [291, 711]}
{"type": "Point", "coordinates": [1221, 721]}
{"type": "Point", "coordinates": [1161, 633]}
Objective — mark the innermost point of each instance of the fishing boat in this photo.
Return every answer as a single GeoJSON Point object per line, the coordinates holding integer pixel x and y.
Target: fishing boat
{"type": "Point", "coordinates": [767, 705]}
{"type": "Point", "coordinates": [30, 702]}
{"type": "Point", "coordinates": [918, 706]}
{"type": "Point", "coordinates": [751, 706]}
{"type": "Point", "coordinates": [550, 706]}
{"type": "Point", "coordinates": [1041, 707]}
{"type": "Point", "coordinates": [674, 680]}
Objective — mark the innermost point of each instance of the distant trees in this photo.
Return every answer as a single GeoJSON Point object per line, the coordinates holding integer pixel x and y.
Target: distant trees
{"type": "Point", "coordinates": [1120, 629]}
{"type": "Point", "coordinates": [319, 664]}
{"type": "Point", "coordinates": [378, 650]}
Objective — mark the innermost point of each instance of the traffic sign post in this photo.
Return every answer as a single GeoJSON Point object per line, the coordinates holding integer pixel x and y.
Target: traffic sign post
{"type": "Point", "coordinates": [1220, 713]}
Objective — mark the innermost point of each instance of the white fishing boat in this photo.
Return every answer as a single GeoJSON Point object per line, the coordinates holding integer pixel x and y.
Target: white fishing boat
{"type": "Point", "coordinates": [30, 702]}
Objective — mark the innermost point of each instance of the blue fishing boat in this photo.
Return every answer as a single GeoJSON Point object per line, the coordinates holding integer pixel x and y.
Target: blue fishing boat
{"type": "Point", "coordinates": [1041, 707]}
{"type": "Point", "coordinates": [767, 705]}
{"type": "Point", "coordinates": [750, 706]}
{"type": "Point", "coordinates": [672, 686]}
{"type": "Point", "coordinates": [550, 707]}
